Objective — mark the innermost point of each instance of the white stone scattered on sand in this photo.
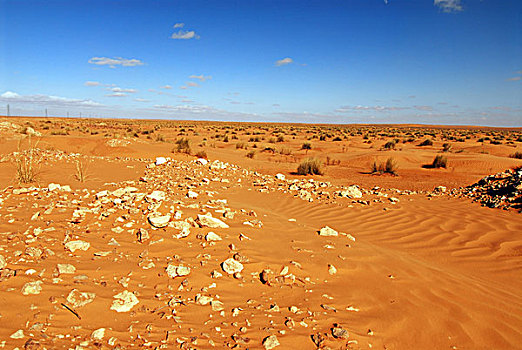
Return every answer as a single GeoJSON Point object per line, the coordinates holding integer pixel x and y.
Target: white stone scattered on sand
{"type": "Point", "coordinates": [32, 288]}
{"type": "Point", "coordinates": [53, 187]}
{"type": "Point", "coordinates": [155, 196]}
{"type": "Point", "coordinates": [208, 221]}
{"type": "Point", "coordinates": [280, 177]}
{"type": "Point", "coordinates": [328, 232]}
{"type": "Point", "coordinates": [217, 305]}
{"type": "Point", "coordinates": [203, 299]}
{"type": "Point", "coordinates": [202, 161]}
{"type": "Point", "coordinates": [77, 245]}
{"type": "Point", "coordinates": [351, 192]}
{"type": "Point", "coordinates": [231, 266]}
{"type": "Point", "coordinates": [79, 299]}
{"type": "Point", "coordinates": [192, 194]}
{"type": "Point", "coordinates": [211, 236]}
{"type": "Point", "coordinates": [332, 270]}
{"type": "Point", "coordinates": [3, 263]}
{"type": "Point", "coordinates": [161, 160]}
{"type": "Point", "coordinates": [19, 334]}
{"type": "Point", "coordinates": [159, 221]}
{"type": "Point", "coordinates": [270, 342]}
{"type": "Point", "coordinates": [174, 271]}
{"type": "Point", "coordinates": [124, 301]}
{"type": "Point", "coordinates": [98, 334]}
{"type": "Point", "coordinates": [65, 268]}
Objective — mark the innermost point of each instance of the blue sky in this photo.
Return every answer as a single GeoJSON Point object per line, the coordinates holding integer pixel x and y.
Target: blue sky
{"type": "Point", "coordinates": [351, 61]}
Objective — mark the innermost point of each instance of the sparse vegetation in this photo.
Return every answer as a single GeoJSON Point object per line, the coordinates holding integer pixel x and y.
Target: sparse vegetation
{"type": "Point", "coordinates": [446, 147]}
{"type": "Point", "coordinates": [516, 155]}
{"type": "Point", "coordinates": [183, 145]}
{"type": "Point", "coordinates": [310, 166]}
{"type": "Point", "coordinates": [388, 167]}
{"type": "Point", "coordinates": [306, 146]}
{"type": "Point", "coordinates": [426, 142]}
{"type": "Point", "coordinates": [201, 154]}
{"type": "Point", "coordinates": [27, 162]}
{"type": "Point", "coordinates": [251, 154]}
{"type": "Point", "coordinates": [80, 170]}
{"type": "Point", "coordinates": [440, 161]}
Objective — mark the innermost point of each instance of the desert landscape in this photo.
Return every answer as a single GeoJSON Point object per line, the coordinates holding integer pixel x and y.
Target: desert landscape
{"type": "Point", "coordinates": [127, 233]}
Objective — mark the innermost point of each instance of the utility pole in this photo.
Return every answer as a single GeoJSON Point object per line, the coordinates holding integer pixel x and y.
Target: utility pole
{"type": "Point", "coordinates": [8, 111]}
{"type": "Point", "coordinates": [46, 112]}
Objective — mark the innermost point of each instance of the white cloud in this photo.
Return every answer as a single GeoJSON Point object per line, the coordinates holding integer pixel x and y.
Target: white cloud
{"type": "Point", "coordinates": [10, 94]}
{"type": "Point", "coordinates": [119, 89]}
{"type": "Point", "coordinates": [184, 35]}
{"type": "Point", "coordinates": [48, 101]}
{"type": "Point", "coordinates": [179, 25]}
{"type": "Point", "coordinates": [137, 99]}
{"type": "Point", "coordinates": [166, 87]}
{"type": "Point", "coordinates": [515, 79]}
{"type": "Point", "coordinates": [183, 87]}
{"type": "Point", "coordinates": [359, 108]}
{"type": "Point", "coordinates": [117, 94]}
{"type": "Point", "coordinates": [448, 5]}
{"type": "Point", "coordinates": [91, 83]}
{"type": "Point", "coordinates": [192, 84]}
{"type": "Point", "coordinates": [117, 61]}
{"type": "Point", "coordinates": [201, 77]}
{"type": "Point", "coordinates": [284, 61]}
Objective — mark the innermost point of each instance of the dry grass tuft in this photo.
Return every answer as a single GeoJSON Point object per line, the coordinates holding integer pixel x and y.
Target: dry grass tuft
{"type": "Point", "coordinates": [310, 166]}
{"type": "Point", "coordinates": [27, 162]}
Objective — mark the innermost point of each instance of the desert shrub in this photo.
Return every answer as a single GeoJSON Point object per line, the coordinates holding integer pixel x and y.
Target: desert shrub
{"type": "Point", "coordinates": [80, 166]}
{"type": "Point", "coordinates": [240, 145]}
{"type": "Point", "coordinates": [272, 140]}
{"type": "Point", "coordinates": [331, 161]}
{"type": "Point", "coordinates": [440, 161]}
{"type": "Point", "coordinates": [225, 139]}
{"type": "Point", "coordinates": [310, 166]}
{"type": "Point", "coordinates": [269, 149]}
{"type": "Point", "coordinates": [388, 167]}
{"type": "Point", "coordinates": [337, 139]}
{"type": "Point", "coordinates": [280, 138]}
{"type": "Point", "coordinates": [306, 146]}
{"type": "Point", "coordinates": [251, 154]}
{"type": "Point", "coordinates": [389, 145]}
{"type": "Point", "coordinates": [160, 138]}
{"type": "Point", "coordinates": [426, 142]}
{"type": "Point", "coordinates": [446, 147]}
{"type": "Point", "coordinates": [201, 154]}
{"type": "Point", "coordinates": [27, 162]}
{"type": "Point", "coordinates": [516, 155]}
{"type": "Point", "coordinates": [183, 145]}
{"type": "Point", "coordinates": [285, 151]}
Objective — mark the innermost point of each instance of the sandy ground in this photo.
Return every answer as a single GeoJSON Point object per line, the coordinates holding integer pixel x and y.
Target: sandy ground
{"type": "Point", "coordinates": [408, 268]}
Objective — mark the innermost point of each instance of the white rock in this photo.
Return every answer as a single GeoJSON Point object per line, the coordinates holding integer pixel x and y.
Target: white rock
{"type": "Point", "coordinates": [53, 186]}
{"type": "Point", "coordinates": [351, 192]}
{"type": "Point", "coordinates": [3, 263]}
{"type": "Point", "coordinates": [202, 161]}
{"type": "Point", "coordinates": [332, 270]}
{"type": "Point", "coordinates": [78, 299]}
{"type": "Point", "coordinates": [161, 160]}
{"type": "Point", "coordinates": [155, 196]}
{"type": "Point", "coordinates": [217, 305]}
{"type": "Point", "coordinates": [270, 342]}
{"type": "Point", "coordinates": [124, 301]}
{"type": "Point", "coordinates": [98, 334]}
{"type": "Point", "coordinates": [192, 194]}
{"type": "Point", "coordinates": [231, 266]}
{"type": "Point", "coordinates": [32, 288]}
{"type": "Point", "coordinates": [19, 334]}
{"type": "Point", "coordinates": [211, 236]}
{"type": "Point", "coordinates": [209, 221]}
{"type": "Point", "coordinates": [174, 271]}
{"type": "Point", "coordinates": [77, 245]}
{"type": "Point", "coordinates": [65, 268]}
{"type": "Point", "coordinates": [280, 177]}
{"type": "Point", "coordinates": [203, 299]}
{"type": "Point", "coordinates": [159, 221]}
{"type": "Point", "coordinates": [328, 232]}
